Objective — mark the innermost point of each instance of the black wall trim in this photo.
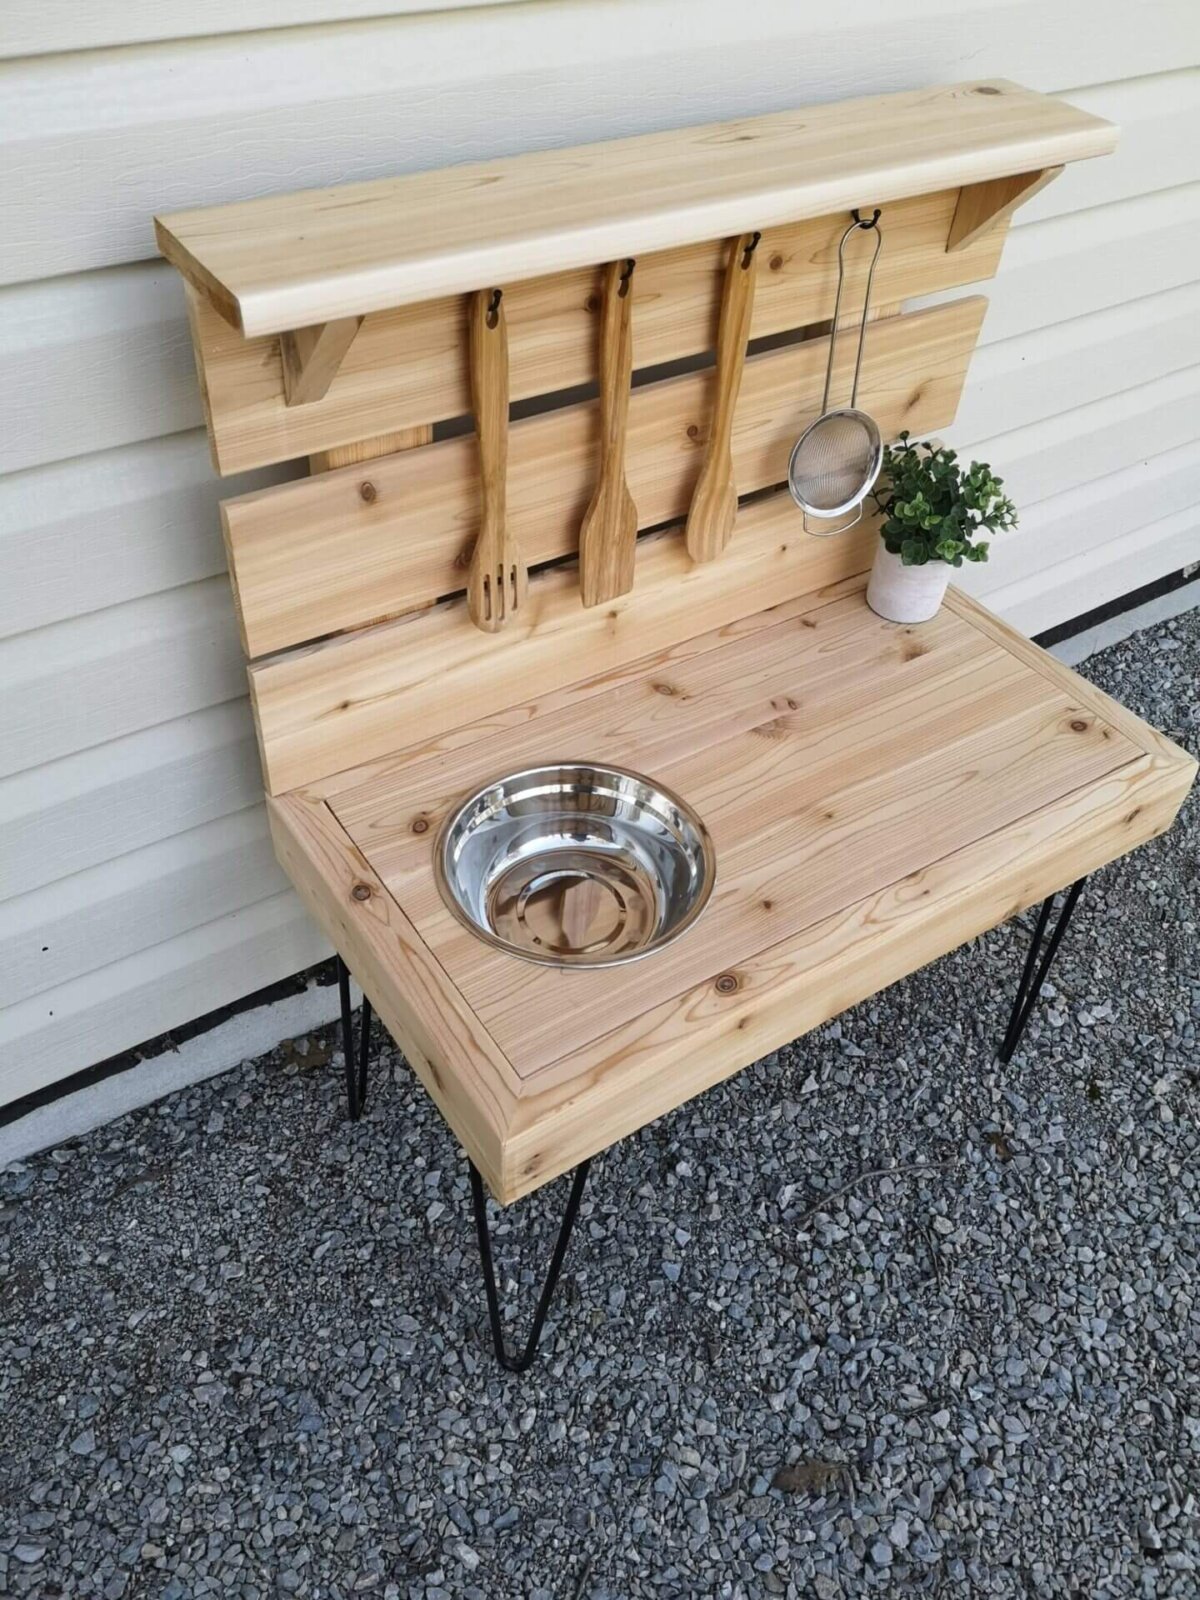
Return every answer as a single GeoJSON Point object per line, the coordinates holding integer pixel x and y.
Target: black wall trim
{"type": "Point", "coordinates": [323, 975]}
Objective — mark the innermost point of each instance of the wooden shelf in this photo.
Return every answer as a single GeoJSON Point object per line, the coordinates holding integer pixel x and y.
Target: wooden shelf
{"type": "Point", "coordinates": [290, 262]}
{"type": "Point", "coordinates": [817, 742]}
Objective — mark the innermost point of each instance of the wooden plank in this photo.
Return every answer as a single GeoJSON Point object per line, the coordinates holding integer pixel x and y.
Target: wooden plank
{"type": "Point", "coordinates": [983, 206]}
{"type": "Point", "coordinates": [444, 1043]}
{"type": "Point", "coordinates": [408, 366]}
{"type": "Point", "coordinates": [282, 262]}
{"type": "Point", "coordinates": [348, 455]}
{"type": "Point", "coordinates": [324, 555]}
{"type": "Point", "coordinates": [695, 1039]}
{"type": "Point", "coordinates": [312, 356]}
{"type": "Point", "coordinates": [352, 700]}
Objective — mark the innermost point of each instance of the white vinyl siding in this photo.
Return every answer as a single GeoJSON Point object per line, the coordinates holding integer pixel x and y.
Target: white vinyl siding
{"type": "Point", "coordinates": [137, 886]}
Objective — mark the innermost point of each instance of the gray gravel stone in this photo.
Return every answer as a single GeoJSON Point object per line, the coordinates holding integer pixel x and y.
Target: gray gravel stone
{"type": "Point", "coordinates": [244, 1351]}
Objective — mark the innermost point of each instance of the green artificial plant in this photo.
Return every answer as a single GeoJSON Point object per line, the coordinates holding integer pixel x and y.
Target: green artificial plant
{"type": "Point", "coordinates": [933, 509]}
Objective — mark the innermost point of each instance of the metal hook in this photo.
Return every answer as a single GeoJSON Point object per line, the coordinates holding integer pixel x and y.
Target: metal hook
{"type": "Point", "coordinates": [837, 306]}
{"type": "Point", "coordinates": [874, 222]}
{"type": "Point", "coordinates": [626, 276]}
{"type": "Point", "coordinates": [748, 252]}
{"type": "Point", "coordinates": [493, 310]}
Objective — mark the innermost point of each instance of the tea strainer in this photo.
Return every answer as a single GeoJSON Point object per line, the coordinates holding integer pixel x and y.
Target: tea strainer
{"type": "Point", "coordinates": [837, 458]}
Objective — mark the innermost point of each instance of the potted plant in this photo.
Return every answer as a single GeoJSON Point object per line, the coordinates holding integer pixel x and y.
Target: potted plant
{"type": "Point", "coordinates": [933, 513]}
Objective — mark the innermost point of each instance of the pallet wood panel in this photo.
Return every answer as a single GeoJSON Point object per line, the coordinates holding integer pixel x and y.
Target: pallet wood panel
{"type": "Point", "coordinates": [291, 261]}
{"type": "Point", "coordinates": [407, 365]}
{"type": "Point", "coordinates": [328, 554]}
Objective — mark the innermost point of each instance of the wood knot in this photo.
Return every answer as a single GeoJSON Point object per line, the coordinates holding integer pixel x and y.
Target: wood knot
{"type": "Point", "coordinates": [421, 825]}
{"type": "Point", "coordinates": [592, 303]}
{"type": "Point", "coordinates": [776, 263]}
{"type": "Point", "coordinates": [361, 891]}
{"type": "Point", "coordinates": [665, 688]}
{"type": "Point", "coordinates": [726, 984]}
{"type": "Point", "coordinates": [1078, 725]}
{"type": "Point", "coordinates": [368, 493]}
{"type": "Point", "coordinates": [987, 88]}
{"type": "Point", "coordinates": [693, 430]}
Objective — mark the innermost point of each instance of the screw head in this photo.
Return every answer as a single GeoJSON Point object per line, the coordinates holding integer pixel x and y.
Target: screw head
{"type": "Point", "coordinates": [368, 493]}
{"type": "Point", "coordinates": [421, 825]}
{"type": "Point", "coordinates": [727, 983]}
{"type": "Point", "coordinates": [361, 891]}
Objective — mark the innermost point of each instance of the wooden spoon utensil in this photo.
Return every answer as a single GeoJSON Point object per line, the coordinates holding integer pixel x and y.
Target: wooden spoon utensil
{"type": "Point", "coordinates": [714, 500]}
{"type": "Point", "coordinates": [498, 581]}
{"type": "Point", "coordinates": [608, 533]}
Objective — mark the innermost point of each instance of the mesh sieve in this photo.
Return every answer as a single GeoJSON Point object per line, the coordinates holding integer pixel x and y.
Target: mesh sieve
{"type": "Point", "coordinates": [837, 458]}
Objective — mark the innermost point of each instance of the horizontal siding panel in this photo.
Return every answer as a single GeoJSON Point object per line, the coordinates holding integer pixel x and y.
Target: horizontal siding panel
{"type": "Point", "coordinates": [1059, 453]}
{"type": "Point", "coordinates": [40, 27]}
{"type": "Point", "coordinates": [1158, 118]}
{"type": "Point", "coordinates": [98, 359]}
{"type": "Point", "coordinates": [132, 902]}
{"type": "Point", "coordinates": [51, 1035]}
{"type": "Point", "coordinates": [118, 135]}
{"type": "Point", "coordinates": [80, 535]}
{"type": "Point", "coordinates": [114, 798]}
{"type": "Point", "coordinates": [1044, 597]}
{"type": "Point", "coordinates": [1070, 266]}
{"type": "Point", "coordinates": [1054, 369]}
{"type": "Point", "coordinates": [1088, 516]}
{"type": "Point", "coordinates": [97, 677]}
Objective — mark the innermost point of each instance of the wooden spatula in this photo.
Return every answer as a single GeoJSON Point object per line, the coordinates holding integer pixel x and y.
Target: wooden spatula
{"type": "Point", "coordinates": [714, 500]}
{"type": "Point", "coordinates": [497, 581]}
{"type": "Point", "coordinates": [608, 533]}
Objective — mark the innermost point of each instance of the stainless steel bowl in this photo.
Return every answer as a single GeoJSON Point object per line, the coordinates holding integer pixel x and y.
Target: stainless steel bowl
{"type": "Point", "coordinates": [575, 865]}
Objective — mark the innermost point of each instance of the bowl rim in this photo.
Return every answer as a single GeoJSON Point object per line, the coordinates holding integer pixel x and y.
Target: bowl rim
{"type": "Point", "coordinates": [586, 964]}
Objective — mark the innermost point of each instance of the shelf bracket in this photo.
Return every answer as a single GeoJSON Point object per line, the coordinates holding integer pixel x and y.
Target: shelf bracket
{"type": "Point", "coordinates": [311, 357]}
{"type": "Point", "coordinates": [983, 205]}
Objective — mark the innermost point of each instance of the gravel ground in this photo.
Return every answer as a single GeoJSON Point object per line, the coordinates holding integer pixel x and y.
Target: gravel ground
{"type": "Point", "coordinates": [243, 1349]}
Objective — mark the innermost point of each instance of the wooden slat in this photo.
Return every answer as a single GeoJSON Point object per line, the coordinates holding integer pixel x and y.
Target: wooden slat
{"type": "Point", "coordinates": [408, 366]}
{"type": "Point", "coordinates": [291, 261]}
{"type": "Point", "coordinates": [336, 705]}
{"type": "Point", "coordinates": [328, 554]}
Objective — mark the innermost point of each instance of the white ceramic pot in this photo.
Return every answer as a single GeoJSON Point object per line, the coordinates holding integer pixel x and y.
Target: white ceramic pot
{"type": "Point", "coordinates": [905, 594]}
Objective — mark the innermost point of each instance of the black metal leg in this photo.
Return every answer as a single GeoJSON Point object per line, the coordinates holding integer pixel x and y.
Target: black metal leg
{"type": "Point", "coordinates": [1034, 974]}
{"type": "Point", "coordinates": [356, 1075]}
{"type": "Point", "coordinates": [515, 1363]}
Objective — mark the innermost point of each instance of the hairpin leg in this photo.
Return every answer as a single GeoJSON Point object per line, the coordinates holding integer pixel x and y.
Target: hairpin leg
{"type": "Point", "coordinates": [356, 1072]}
{"type": "Point", "coordinates": [519, 1363]}
{"type": "Point", "coordinates": [1034, 974]}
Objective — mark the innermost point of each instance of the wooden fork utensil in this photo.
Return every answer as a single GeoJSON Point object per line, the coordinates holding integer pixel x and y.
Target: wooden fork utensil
{"type": "Point", "coordinates": [498, 580]}
{"type": "Point", "coordinates": [608, 533]}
